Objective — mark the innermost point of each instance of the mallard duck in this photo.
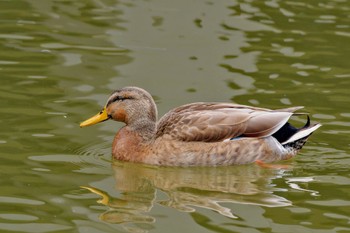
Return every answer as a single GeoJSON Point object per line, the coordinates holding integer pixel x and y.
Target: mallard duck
{"type": "Point", "coordinates": [200, 134]}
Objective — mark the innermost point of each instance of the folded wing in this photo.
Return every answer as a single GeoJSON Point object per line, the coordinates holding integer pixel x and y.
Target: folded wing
{"type": "Point", "coordinates": [213, 122]}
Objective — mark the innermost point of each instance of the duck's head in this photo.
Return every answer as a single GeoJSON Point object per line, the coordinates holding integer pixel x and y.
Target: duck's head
{"type": "Point", "coordinates": [129, 105]}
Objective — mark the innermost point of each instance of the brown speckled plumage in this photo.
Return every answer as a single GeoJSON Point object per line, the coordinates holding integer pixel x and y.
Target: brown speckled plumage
{"type": "Point", "coordinates": [198, 134]}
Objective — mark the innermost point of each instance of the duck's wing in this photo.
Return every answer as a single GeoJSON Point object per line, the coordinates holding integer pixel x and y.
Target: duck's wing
{"type": "Point", "coordinates": [212, 122]}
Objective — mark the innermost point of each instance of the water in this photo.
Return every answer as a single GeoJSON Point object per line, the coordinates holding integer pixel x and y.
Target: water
{"type": "Point", "coordinates": [59, 60]}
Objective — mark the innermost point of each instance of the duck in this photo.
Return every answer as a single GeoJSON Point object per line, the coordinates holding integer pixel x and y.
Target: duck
{"type": "Point", "coordinates": [201, 133]}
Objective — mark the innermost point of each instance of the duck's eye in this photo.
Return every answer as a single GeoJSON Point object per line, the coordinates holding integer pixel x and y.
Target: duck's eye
{"type": "Point", "coordinates": [118, 98]}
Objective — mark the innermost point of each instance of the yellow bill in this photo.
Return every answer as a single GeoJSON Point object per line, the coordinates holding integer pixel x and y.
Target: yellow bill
{"type": "Point", "coordinates": [101, 116]}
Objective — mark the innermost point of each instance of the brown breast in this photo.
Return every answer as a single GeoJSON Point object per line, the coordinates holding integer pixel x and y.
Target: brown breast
{"type": "Point", "coordinates": [128, 146]}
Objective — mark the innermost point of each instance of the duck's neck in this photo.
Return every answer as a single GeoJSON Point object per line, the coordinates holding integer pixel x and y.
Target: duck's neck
{"type": "Point", "coordinates": [131, 141]}
{"type": "Point", "coordinates": [144, 127]}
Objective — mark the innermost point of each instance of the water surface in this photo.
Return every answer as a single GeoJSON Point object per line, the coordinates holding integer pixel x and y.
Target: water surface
{"type": "Point", "coordinates": [59, 61]}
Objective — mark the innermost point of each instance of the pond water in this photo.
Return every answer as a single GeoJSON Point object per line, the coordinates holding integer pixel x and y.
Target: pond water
{"type": "Point", "coordinates": [60, 60]}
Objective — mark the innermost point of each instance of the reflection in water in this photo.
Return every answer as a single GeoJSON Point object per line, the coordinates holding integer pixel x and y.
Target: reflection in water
{"type": "Point", "coordinates": [58, 58]}
{"type": "Point", "coordinates": [293, 183]}
{"type": "Point", "coordinates": [142, 187]}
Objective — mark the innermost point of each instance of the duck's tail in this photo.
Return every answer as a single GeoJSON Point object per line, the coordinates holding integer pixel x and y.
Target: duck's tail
{"type": "Point", "coordinates": [299, 138]}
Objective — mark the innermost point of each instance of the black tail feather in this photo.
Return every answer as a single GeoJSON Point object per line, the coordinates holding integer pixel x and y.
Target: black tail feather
{"type": "Point", "coordinates": [297, 141]}
{"type": "Point", "coordinates": [287, 131]}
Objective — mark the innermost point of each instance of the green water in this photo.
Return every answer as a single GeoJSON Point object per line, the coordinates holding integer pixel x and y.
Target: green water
{"type": "Point", "coordinates": [60, 60]}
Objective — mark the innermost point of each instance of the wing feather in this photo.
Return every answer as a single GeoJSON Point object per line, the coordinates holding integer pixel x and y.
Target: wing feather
{"type": "Point", "coordinates": [212, 122]}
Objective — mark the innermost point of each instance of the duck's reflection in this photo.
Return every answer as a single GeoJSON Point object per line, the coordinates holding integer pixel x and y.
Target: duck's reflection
{"type": "Point", "coordinates": [140, 187]}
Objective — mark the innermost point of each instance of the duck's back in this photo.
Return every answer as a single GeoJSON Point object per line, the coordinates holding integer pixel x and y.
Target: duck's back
{"type": "Point", "coordinates": [213, 122]}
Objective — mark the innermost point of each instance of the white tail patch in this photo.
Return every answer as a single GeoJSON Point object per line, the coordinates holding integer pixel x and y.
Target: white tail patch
{"type": "Point", "coordinates": [302, 133]}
